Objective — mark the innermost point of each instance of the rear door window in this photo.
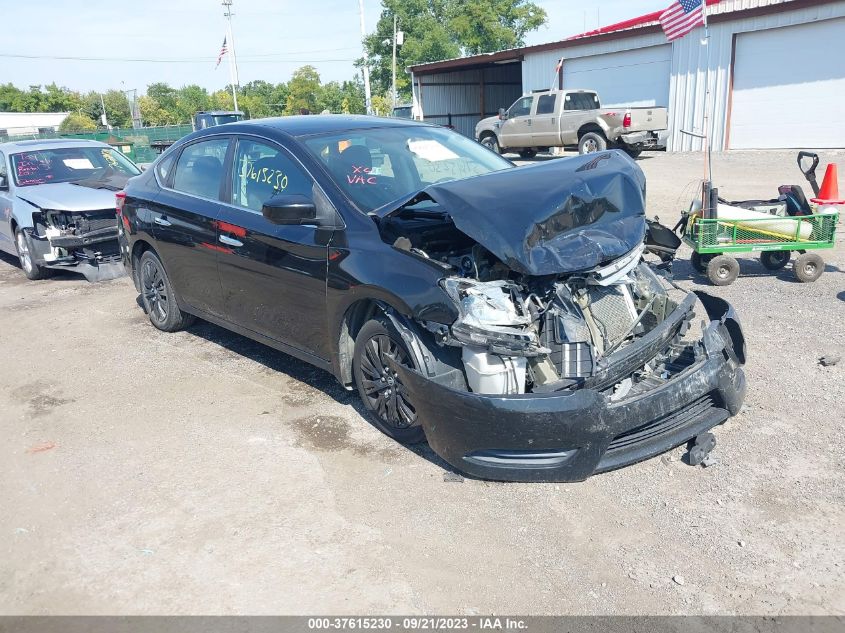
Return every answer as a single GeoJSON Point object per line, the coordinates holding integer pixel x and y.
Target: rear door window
{"type": "Point", "coordinates": [199, 170]}
{"type": "Point", "coordinates": [546, 104]}
{"type": "Point", "coordinates": [581, 101]}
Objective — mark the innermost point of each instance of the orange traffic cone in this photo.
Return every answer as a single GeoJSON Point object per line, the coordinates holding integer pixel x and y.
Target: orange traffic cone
{"type": "Point", "coordinates": [829, 192]}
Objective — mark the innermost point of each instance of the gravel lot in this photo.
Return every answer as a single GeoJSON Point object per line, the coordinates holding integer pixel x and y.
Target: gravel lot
{"type": "Point", "coordinates": [148, 473]}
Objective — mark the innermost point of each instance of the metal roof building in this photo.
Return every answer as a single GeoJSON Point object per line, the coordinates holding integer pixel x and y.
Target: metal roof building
{"type": "Point", "coordinates": [774, 70]}
{"type": "Point", "coordinates": [23, 123]}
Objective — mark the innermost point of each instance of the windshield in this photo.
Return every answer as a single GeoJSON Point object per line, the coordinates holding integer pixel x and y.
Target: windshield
{"type": "Point", "coordinates": [220, 119]}
{"type": "Point", "coordinates": [69, 164]}
{"type": "Point", "coordinates": [376, 166]}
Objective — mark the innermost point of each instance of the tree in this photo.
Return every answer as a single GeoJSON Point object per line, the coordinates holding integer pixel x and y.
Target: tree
{"type": "Point", "coordinates": [76, 122]}
{"type": "Point", "coordinates": [342, 98]}
{"type": "Point", "coordinates": [303, 89]}
{"type": "Point", "coordinates": [442, 29]}
{"type": "Point", "coordinates": [153, 114]}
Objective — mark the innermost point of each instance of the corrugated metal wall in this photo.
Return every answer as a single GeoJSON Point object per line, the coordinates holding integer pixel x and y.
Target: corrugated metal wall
{"type": "Point", "coordinates": [691, 73]}
{"type": "Point", "coordinates": [456, 98]}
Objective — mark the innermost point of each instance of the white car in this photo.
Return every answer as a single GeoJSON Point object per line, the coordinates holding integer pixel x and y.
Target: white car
{"type": "Point", "coordinates": [57, 206]}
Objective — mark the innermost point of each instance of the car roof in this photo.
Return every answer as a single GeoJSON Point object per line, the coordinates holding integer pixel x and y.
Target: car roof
{"type": "Point", "coordinates": [59, 143]}
{"type": "Point", "coordinates": [304, 125]}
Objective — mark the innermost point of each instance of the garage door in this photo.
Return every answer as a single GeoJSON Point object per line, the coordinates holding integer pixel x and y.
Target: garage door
{"type": "Point", "coordinates": [638, 77]}
{"type": "Point", "coordinates": [789, 87]}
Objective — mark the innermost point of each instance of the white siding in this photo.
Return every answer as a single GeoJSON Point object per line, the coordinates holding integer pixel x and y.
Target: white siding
{"type": "Point", "coordinates": [803, 94]}
{"type": "Point", "coordinates": [691, 72]}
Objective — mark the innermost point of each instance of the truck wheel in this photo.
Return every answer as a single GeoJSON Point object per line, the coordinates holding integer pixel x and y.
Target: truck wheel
{"type": "Point", "coordinates": [381, 391]}
{"type": "Point", "coordinates": [774, 260]}
{"type": "Point", "coordinates": [491, 143]}
{"type": "Point", "coordinates": [592, 142]}
{"type": "Point", "coordinates": [808, 267]}
{"type": "Point", "coordinates": [528, 153]}
{"type": "Point", "coordinates": [633, 153]}
{"type": "Point", "coordinates": [723, 270]}
{"type": "Point", "coordinates": [32, 270]}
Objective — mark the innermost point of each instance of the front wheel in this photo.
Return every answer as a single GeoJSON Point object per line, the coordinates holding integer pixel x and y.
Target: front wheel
{"type": "Point", "coordinates": [491, 143]}
{"type": "Point", "coordinates": [699, 261]}
{"type": "Point", "coordinates": [32, 270]}
{"type": "Point", "coordinates": [592, 142]}
{"type": "Point", "coordinates": [158, 297]}
{"type": "Point", "coordinates": [379, 386]}
{"type": "Point", "coordinates": [722, 270]}
{"type": "Point", "coordinates": [808, 267]}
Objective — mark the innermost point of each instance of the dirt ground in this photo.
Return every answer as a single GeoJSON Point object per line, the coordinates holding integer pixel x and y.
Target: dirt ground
{"type": "Point", "coordinates": [151, 473]}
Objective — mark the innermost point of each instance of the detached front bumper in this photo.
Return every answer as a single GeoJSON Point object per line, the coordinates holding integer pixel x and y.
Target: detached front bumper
{"type": "Point", "coordinates": [569, 436]}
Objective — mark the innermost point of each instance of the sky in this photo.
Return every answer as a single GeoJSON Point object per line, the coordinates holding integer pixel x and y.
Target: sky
{"type": "Point", "coordinates": [177, 41]}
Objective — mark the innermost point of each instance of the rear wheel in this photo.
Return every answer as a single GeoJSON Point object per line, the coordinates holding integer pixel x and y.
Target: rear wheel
{"type": "Point", "coordinates": [491, 143]}
{"type": "Point", "coordinates": [722, 270]}
{"type": "Point", "coordinates": [158, 296]}
{"type": "Point", "coordinates": [808, 267]}
{"type": "Point", "coordinates": [379, 386]}
{"type": "Point", "coordinates": [528, 153]}
{"type": "Point", "coordinates": [699, 261]}
{"type": "Point", "coordinates": [774, 260]}
{"type": "Point", "coordinates": [592, 142]}
{"type": "Point", "coordinates": [32, 270]}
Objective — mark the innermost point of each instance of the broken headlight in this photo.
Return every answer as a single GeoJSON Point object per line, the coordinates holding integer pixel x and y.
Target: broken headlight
{"type": "Point", "coordinates": [493, 315]}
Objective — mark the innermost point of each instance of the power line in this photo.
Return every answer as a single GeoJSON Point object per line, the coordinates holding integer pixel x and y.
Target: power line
{"type": "Point", "coordinates": [195, 60]}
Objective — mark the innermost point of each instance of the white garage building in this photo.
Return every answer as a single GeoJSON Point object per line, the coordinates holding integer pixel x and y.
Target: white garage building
{"type": "Point", "coordinates": [776, 74]}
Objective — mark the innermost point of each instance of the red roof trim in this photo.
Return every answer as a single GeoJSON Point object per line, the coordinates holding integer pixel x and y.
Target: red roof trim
{"type": "Point", "coordinates": [642, 20]}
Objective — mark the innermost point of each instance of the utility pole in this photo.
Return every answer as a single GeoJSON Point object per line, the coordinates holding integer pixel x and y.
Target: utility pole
{"type": "Point", "coordinates": [103, 118]}
{"type": "Point", "coordinates": [367, 94]}
{"type": "Point", "coordinates": [233, 59]}
{"type": "Point", "coordinates": [393, 81]}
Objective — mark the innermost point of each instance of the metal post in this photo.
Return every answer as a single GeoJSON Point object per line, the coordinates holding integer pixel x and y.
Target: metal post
{"type": "Point", "coordinates": [233, 60]}
{"type": "Point", "coordinates": [367, 94]}
{"type": "Point", "coordinates": [708, 134]}
{"type": "Point", "coordinates": [393, 81]}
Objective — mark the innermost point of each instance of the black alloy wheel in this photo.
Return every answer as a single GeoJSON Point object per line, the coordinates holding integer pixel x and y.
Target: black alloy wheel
{"type": "Point", "coordinates": [379, 386]}
{"type": "Point", "coordinates": [158, 297]}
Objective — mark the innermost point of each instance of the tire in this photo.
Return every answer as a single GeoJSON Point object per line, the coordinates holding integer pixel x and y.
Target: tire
{"type": "Point", "coordinates": [383, 395]}
{"type": "Point", "coordinates": [592, 142]}
{"type": "Point", "coordinates": [722, 270]}
{"type": "Point", "coordinates": [158, 297]}
{"type": "Point", "coordinates": [699, 261]}
{"type": "Point", "coordinates": [492, 143]}
{"type": "Point", "coordinates": [774, 260]}
{"type": "Point", "coordinates": [528, 153]}
{"type": "Point", "coordinates": [633, 153]}
{"type": "Point", "coordinates": [808, 267]}
{"type": "Point", "coordinates": [32, 270]}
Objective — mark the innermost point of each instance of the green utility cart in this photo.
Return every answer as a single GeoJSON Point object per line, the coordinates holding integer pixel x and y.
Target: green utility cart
{"type": "Point", "coordinates": [713, 241]}
{"type": "Point", "coordinates": [716, 229]}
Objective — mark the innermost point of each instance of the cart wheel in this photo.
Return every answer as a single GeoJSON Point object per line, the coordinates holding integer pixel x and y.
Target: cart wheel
{"type": "Point", "coordinates": [774, 260]}
{"type": "Point", "coordinates": [723, 270]}
{"type": "Point", "coordinates": [808, 267]}
{"type": "Point", "coordinates": [699, 261]}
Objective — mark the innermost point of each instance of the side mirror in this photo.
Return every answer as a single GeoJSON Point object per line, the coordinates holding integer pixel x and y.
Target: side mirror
{"type": "Point", "coordinates": [4, 183]}
{"type": "Point", "coordinates": [503, 114]}
{"type": "Point", "coordinates": [290, 209]}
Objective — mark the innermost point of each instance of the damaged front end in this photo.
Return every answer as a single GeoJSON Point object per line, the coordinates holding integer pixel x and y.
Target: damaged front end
{"type": "Point", "coordinates": [84, 241]}
{"type": "Point", "coordinates": [577, 355]}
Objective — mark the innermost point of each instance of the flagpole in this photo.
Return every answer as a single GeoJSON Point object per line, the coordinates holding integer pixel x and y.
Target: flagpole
{"type": "Point", "coordinates": [233, 60]}
{"type": "Point", "coordinates": [708, 133]}
{"type": "Point", "coordinates": [557, 73]}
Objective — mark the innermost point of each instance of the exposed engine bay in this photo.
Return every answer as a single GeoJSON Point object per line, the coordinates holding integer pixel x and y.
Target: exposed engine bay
{"type": "Point", "coordinates": [520, 333]}
{"type": "Point", "coordinates": [77, 236]}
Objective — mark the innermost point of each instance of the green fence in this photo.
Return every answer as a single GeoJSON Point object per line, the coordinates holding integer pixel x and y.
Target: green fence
{"type": "Point", "coordinates": [139, 144]}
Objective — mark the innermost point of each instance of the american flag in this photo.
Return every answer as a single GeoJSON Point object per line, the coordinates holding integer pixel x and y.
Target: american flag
{"type": "Point", "coordinates": [681, 17]}
{"type": "Point", "coordinates": [223, 51]}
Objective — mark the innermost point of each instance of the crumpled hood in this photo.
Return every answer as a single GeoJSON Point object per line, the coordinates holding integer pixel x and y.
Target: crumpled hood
{"type": "Point", "coordinates": [555, 217]}
{"type": "Point", "coordinates": [66, 196]}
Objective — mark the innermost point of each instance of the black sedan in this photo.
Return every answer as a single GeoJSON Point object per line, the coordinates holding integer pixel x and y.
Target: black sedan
{"type": "Point", "coordinates": [507, 315]}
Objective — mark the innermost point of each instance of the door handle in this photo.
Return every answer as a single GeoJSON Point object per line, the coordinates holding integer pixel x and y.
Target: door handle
{"type": "Point", "coordinates": [231, 241]}
{"type": "Point", "coordinates": [528, 121]}
{"type": "Point", "coordinates": [162, 222]}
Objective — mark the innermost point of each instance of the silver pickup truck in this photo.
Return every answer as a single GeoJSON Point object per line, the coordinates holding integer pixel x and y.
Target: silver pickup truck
{"type": "Point", "coordinates": [572, 118]}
